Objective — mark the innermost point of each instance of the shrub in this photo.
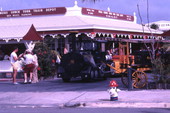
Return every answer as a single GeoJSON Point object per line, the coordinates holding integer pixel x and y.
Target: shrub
{"type": "Point", "coordinates": [162, 68]}
{"type": "Point", "coordinates": [45, 59]}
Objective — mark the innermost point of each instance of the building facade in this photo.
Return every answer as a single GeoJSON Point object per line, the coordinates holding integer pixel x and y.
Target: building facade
{"type": "Point", "coordinates": [59, 23]}
{"type": "Point", "coordinates": [162, 25]}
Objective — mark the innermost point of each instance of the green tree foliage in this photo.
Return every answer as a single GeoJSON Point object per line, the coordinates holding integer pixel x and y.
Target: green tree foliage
{"type": "Point", "coordinates": [162, 68]}
{"type": "Point", "coordinates": [45, 59]}
{"type": "Point", "coordinates": [161, 65]}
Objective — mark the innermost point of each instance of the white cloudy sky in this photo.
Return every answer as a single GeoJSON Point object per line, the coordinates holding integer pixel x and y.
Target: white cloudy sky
{"type": "Point", "coordinates": [158, 9]}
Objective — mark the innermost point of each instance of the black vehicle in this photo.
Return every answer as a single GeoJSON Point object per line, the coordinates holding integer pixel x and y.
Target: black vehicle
{"type": "Point", "coordinates": [88, 63]}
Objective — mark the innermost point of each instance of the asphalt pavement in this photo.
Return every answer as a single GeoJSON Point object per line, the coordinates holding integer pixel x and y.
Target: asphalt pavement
{"type": "Point", "coordinates": [55, 93]}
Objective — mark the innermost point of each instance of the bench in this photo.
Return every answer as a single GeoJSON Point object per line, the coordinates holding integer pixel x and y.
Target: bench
{"type": "Point", "coordinates": [6, 68]}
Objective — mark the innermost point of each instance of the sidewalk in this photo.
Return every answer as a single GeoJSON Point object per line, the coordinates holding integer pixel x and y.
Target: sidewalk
{"type": "Point", "coordinates": [26, 96]}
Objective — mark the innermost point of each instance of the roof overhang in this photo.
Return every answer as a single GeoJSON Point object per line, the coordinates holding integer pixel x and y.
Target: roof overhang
{"type": "Point", "coordinates": [26, 32]}
{"type": "Point", "coordinates": [167, 33]}
{"type": "Point", "coordinates": [75, 19]}
{"type": "Point", "coordinates": [84, 22]}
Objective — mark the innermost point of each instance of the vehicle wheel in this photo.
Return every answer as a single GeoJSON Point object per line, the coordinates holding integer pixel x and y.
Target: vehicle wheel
{"type": "Point", "coordinates": [139, 79]}
{"type": "Point", "coordinates": [85, 78]}
{"type": "Point", "coordinates": [112, 70]}
{"type": "Point", "coordinates": [66, 79]}
{"type": "Point", "coordinates": [89, 76]}
{"type": "Point", "coordinates": [101, 70]}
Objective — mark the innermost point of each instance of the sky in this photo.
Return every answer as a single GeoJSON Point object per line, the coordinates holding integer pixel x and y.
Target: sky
{"type": "Point", "coordinates": [158, 9]}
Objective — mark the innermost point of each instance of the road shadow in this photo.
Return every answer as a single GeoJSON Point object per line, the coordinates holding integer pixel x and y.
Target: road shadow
{"type": "Point", "coordinates": [106, 100]}
{"type": "Point", "coordinates": [57, 85]}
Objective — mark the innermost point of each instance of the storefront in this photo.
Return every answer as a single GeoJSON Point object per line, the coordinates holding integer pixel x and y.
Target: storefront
{"type": "Point", "coordinates": [63, 26]}
{"type": "Point", "coordinates": [20, 36]}
{"type": "Point", "coordinates": [60, 22]}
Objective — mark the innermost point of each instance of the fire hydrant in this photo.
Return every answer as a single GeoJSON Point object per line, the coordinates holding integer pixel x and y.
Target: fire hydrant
{"type": "Point", "coordinates": [113, 90]}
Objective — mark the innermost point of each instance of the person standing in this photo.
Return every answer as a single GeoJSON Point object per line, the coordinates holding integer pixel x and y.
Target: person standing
{"type": "Point", "coordinates": [13, 60]}
{"type": "Point", "coordinates": [29, 65]}
{"type": "Point", "coordinates": [35, 74]}
{"type": "Point", "coordinates": [66, 50]}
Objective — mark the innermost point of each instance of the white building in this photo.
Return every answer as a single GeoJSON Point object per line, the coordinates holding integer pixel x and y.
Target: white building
{"type": "Point", "coordinates": [60, 22]}
{"type": "Point", "coordinates": [65, 23]}
{"type": "Point", "coordinates": [163, 25]}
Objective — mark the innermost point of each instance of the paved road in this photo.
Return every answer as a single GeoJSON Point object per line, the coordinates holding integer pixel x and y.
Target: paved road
{"type": "Point", "coordinates": [55, 93]}
{"type": "Point", "coordinates": [59, 85]}
{"type": "Point", "coordinates": [83, 110]}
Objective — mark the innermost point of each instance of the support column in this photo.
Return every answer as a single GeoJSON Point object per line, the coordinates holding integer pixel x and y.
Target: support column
{"type": "Point", "coordinates": [103, 47]}
{"type": "Point", "coordinates": [130, 47]}
{"type": "Point", "coordinates": [56, 44]}
{"type": "Point", "coordinates": [113, 45]}
{"type": "Point", "coordinates": [73, 39]}
{"type": "Point", "coordinates": [67, 44]}
{"type": "Point", "coordinates": [129, 73]}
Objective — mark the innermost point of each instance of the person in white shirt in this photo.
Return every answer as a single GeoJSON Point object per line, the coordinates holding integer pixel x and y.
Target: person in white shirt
{"type": "Point", "coordinates": [29, 65]}
{"type": "Point", "coordinates": [13, 60]}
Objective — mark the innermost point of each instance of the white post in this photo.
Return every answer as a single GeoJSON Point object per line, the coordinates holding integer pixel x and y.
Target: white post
{"type": "Point", "coordinates": [103, 47]}
{"type": "Point", "coordinates": [67, 44]}
{"type": "Point", "coordinates": [130, 47]}
{"type": "Point", "coordinates": [113, 45]}
{"type": "Point", "coordinates": [135, 18]}
{"type": "Point", "coordinates": [108, 9]}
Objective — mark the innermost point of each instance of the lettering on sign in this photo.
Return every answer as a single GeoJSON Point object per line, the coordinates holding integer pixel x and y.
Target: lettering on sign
{"type": "Point", "coordinates": [32, 12]}
{"type": "Point", "coordinates": [106, 14]}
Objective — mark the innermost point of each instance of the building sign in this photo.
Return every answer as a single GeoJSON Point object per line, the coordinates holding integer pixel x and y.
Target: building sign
{"type": "Point", "coordinates": [107, 14]}
{"type": "Point", "coordinates": [33, 12]}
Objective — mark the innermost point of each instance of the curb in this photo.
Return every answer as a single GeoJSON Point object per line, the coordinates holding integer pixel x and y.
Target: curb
{"type": "Point", "coordinates": [129, 105]}
{"type": "Point", "coordinates": [5, 79]}
{"type": "Point", "coordinates": [31, 106]}
{"type": "Point", "coordinates": [10, 79]}
{"type": "Point", "coordinates": [91, 105]}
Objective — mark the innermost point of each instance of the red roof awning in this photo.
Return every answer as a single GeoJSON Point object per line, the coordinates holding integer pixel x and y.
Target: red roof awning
{"type": "Point", "coordinates": [167, 33]}
{"type": "Point", "coordinates": [32, 34]}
